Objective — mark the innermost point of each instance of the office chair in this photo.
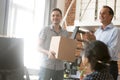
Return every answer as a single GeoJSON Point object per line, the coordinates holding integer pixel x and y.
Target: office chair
{"type": "Point", "coordinates": [11, 59]}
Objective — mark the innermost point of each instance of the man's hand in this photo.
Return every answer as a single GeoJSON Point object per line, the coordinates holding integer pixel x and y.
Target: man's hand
{"type": "Point", "coordinates": [89, 36]}
{"type": "Point", "coordinates": [51, 55]}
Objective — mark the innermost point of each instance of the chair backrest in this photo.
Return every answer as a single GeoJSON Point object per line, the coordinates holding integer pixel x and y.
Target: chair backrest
{"type": "Point", "coordinates": [11, 53]}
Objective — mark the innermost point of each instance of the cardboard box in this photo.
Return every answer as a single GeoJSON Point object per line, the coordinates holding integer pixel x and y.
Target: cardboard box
{"type": "Point", "coordinates": [64, 48]}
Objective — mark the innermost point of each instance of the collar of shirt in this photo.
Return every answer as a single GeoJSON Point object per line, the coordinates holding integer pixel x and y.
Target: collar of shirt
{"type": "Point", "coordinates": [109, 26]}
{"type": "Point", "coordinates": [51, 27]}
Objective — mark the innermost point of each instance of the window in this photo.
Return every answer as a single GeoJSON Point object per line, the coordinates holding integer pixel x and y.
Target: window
{"type": "Point", "coordinates": [25, 20]}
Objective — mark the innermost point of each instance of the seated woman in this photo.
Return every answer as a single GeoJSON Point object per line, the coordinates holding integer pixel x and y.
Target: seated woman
{"type": "Point", "coordinates": [96, 57]}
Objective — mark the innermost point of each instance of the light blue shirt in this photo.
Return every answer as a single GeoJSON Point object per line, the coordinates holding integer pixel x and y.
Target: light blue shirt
{"type": "Point", "coordinates": [111, 37]}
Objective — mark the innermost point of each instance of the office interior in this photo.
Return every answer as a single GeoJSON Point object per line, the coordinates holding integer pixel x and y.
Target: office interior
{"type": "Point", "coordinates": [23, 19]}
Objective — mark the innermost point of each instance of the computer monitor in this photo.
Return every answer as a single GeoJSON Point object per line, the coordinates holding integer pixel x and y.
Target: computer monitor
{"type": "Point", "coordinates": [11, 53]}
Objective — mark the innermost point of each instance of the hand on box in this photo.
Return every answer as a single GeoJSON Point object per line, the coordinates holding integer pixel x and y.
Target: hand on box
{"type": "Point", "coordinates": [51, 55]}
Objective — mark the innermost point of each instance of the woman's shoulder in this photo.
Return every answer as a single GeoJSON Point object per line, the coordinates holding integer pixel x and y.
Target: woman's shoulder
{"type": "Point", "coordinates": [99, 76]}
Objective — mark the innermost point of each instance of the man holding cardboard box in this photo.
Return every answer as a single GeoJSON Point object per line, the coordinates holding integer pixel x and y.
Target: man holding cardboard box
{"type": "Point", "coordinates": [51, 68]}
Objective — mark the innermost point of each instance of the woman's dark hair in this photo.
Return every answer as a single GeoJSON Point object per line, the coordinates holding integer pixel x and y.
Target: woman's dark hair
{"type": "Point", "coordinates": [57, 9]}
{"type": "Point", "coordinates": [97, 54]}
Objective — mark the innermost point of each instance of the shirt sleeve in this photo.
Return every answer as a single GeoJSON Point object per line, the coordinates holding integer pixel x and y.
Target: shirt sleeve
{"type": "Point", "coordinates": [114, 44]}
{"type": "Point", "coordinates": [42, 34]}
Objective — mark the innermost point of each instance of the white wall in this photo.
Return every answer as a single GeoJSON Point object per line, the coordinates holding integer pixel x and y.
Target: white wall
{"type": "Point", "coordinates": [2, 14]}
{"type": "Point", "coordinates": [61, 5]}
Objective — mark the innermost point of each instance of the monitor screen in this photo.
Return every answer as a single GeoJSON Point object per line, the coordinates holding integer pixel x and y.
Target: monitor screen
{"type": "Point", "coordinates": [11, 53]}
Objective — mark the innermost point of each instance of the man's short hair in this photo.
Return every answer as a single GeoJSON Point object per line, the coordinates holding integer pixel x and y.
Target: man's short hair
{"type": "Point", "coordinates": [57, 9]}
{"type": "Point", "coordinates": [110, 9]}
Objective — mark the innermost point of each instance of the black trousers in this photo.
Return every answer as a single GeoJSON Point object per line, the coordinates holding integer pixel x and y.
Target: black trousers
{"type": "Point", "coordinates": [114, 69]}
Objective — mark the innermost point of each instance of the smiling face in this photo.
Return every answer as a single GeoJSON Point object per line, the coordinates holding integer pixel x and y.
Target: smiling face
{"type": "Point", "coordinates": [105, 16]}
{"type": "Point", "coordinates": [56, 17]}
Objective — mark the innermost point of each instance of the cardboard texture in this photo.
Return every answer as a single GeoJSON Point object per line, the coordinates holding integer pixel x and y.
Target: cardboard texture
{"type": "Point", "coordinates": [64, 48]}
